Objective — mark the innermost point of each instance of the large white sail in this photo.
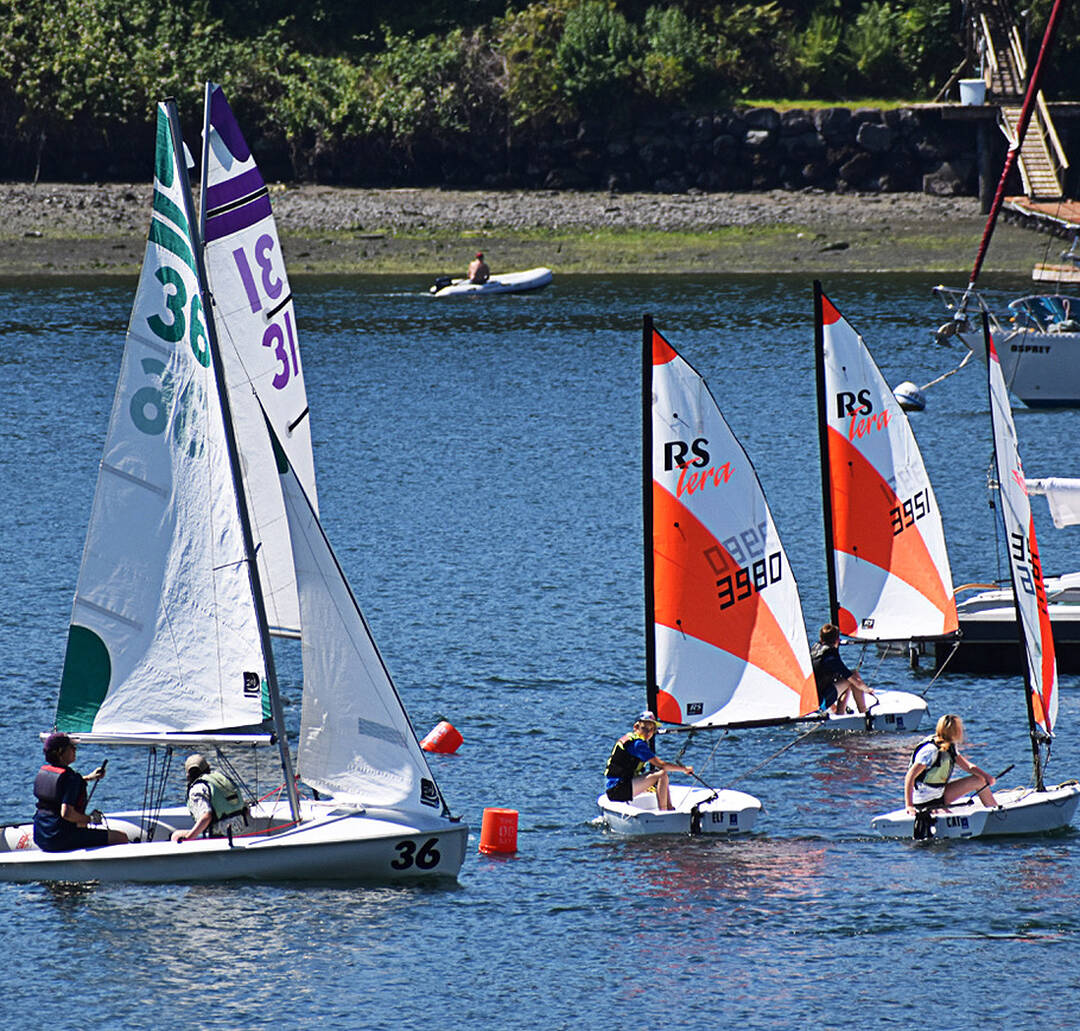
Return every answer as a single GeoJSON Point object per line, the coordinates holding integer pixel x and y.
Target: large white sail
{"type": "Point", "coordinates": [728, 632]}
{"type": "Point", "coordinates": [1028, 587]}
{"type": "Point", "coordinates": [164, 634]}
{"type": "Point", "coordinates": [891, 577]}
{"type": "Point", "coordinates": [257, 334]}
{"type": "Point", "coordinates": [356, 742]}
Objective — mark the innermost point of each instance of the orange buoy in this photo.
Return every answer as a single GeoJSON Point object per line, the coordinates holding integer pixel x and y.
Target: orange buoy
{"type": "Point", "coordinates": [443, 738]}
{"type": "Point", "coordinates": [498, 832]}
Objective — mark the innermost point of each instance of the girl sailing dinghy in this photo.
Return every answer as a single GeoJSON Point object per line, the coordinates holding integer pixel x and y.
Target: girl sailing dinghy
{"type": "Point", "coordinates": [888, 569]}
{"type": "Point", "coordinates": [1020, 810]}
{"type": "Point", "coordinates": [169, 645]}
{"type": "Point", "coordinates": [725, 642]}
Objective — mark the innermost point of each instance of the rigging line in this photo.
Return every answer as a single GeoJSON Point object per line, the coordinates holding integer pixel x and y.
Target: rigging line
{"type": "Point", "coordinates": [686, 745]}
{"type": "Point", "coordinates": [945, 375]}
{"type": "Point", "coordinates": [941, 668]}
{"type": "Point", "coordinates": [778, 752]}
{"type": "Point", "coordinates": [709, 758]}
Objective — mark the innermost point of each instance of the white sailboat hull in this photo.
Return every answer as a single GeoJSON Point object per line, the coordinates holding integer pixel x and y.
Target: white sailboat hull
{"type": "Point", "coordinates": [1021, 811]}
{"type": "Point", "coordinates": [697, 811]}
{"type": "Point", "coordinates": [897, 711]}
{"type": "Point", "coordinates": [329, 844]}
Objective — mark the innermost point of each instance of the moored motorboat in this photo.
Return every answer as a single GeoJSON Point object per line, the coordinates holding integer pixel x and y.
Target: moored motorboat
{"type": "Point", "coordinates": [504, 283]}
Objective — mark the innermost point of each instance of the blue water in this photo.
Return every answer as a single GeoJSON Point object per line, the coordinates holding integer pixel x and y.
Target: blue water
{"type": "Point", "coordinates": [479, 476]}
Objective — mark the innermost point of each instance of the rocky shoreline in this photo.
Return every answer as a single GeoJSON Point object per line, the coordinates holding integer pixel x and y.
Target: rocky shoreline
{"type": "Point", "coordinates": [56, 229]}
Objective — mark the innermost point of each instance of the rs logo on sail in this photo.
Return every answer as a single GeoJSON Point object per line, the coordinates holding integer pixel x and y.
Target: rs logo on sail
{"type": "Point", "coordinates": [675, 452]}
{"type": "Point", "coordinates": [860, 408]}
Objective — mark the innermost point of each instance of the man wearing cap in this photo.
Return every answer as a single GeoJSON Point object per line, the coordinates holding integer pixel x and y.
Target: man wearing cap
{"type": "Point", "coordinates": [478, 271]}
{"type": "Point", "coordinates": [213, 800]}
{"type": "Point", "coordinates": [61, 823]}
{"type": "Point", "coordinates": [626, 776]}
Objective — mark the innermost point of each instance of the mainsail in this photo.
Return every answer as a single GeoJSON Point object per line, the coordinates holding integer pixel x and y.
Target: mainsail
{"type": "Point", "coordinates": [889, 576]}
{"type": "Point", "coordinates": [726, 640]}
{"type": "Point", "coordinates": [164, 634]}
{"type": "Point", "coordinates": [256, 326]}
{"type": "Point", "coordinates": [356, 741]}
{"type": "Point", "coordinates": [1028, 588]}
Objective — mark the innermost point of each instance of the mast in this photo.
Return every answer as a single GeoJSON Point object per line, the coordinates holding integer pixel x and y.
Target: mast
{"type": "Point", "coordinates": [1015, 145]}
{"type": "Point", "coordinates": [234, 466]}
{"type": "Point", "coordinates": [647, 507]}
{"type": "Point", "coordinates": [823, 443]}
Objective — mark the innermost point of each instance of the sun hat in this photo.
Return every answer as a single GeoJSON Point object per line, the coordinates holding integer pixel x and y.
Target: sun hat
{"type": "Point", "coordinates": [196, 762]}
{"type": "Point", "coordinates": [648, 716]}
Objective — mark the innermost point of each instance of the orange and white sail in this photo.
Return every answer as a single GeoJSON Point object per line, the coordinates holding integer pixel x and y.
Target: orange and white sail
{"type": "Point", "coordinates": [726, 641]}
{"type": "Point", "coordinates": [1028, 587]}
{"type": "Point", "coordinates": [889, 576]}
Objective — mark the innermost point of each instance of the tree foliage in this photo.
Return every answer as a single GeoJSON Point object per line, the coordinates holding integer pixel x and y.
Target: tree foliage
{"type": "Point", "coordinates": [328, 81]}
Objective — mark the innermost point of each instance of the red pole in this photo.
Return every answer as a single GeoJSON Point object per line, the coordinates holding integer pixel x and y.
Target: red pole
{"type": "Point", "coordinates": [1014, 148]}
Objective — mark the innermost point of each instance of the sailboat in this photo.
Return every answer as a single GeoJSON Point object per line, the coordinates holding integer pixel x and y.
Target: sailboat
{"type": "Point", "coordinates": [1020, 810]}
{"type": "Point", "coordinates": [170, 642]}
{"type": "Point", "coordinates": [887, 565]}
{"type": "Point", "coordinates": [725, 642]}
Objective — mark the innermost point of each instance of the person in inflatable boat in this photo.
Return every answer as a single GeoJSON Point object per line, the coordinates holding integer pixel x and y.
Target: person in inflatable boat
{"type": "Point", "coordinates": [626, 766]}
{"type": "Point", "coordinates": [61, 823]}
{"type": "Point", "coordinates": [927, 784]}
{"type": "Point", "coordinates": [478, 270]}
{"type": "Point", "coordinates": [835, 682]}
{"type": "Point", "coordinates": [214, 802]}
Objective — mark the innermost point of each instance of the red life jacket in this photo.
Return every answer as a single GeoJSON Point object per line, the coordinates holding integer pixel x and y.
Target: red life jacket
{"type": "Point", "coordinates": [47, 789]}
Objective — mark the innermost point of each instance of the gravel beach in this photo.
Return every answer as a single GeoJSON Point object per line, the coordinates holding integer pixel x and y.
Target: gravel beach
{"type": "Point", "coordinates": [59, 229]}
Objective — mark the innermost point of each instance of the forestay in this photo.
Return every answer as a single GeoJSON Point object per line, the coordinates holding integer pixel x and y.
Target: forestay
{"type": "Point", "coordinates": [1028, 587]}
{"type": "Point", "coordinates": [723, 609]}
{"type": "Point", "coordinates": [889, 568]}
{"type": "Point", "coordinates": [356, 741]}
{"type": "Point", "coordinates": [164, 634]}
{"type": "Point", "coordinates": [257, 333]}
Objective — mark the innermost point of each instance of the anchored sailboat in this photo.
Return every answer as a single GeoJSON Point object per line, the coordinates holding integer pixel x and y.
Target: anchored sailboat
{"type": "Point", "coordinates": [169, 645]}
{"type": "Point", "coordinates": [1020, 810]}
{"type": "Point", "coordinates": [888, 569]}
{"type": "Point", "coordinates": [725, 641]}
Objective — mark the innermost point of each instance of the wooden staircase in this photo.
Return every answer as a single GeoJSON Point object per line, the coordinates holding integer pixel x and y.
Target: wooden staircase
{"type": "Point", "coordinates": [1042, 160]}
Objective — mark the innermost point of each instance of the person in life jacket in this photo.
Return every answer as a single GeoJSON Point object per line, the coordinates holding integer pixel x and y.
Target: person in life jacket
{"type": "Point", "coordinates": [61, 823]}
{"type": "Point", "coordinates": [927, 784]}
{"type": "Point", "coordinates": [626, 770]}
{"type": "Point", "coordinates": [835, 682]}
{"type": "Point", "coordinates": [213, 800]}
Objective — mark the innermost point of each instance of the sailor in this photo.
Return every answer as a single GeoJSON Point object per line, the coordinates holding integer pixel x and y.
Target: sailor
{"type": "Point", "coordinates": [927, 785]}
{"type": "Point", "coordinates": [61, 823]}
{"type": "Point", "coordinates": [478, 270]}
{"type": "Point", "coordinates": [835, 682]}
{"type": "Point", "coordinates": [213, 800]}
{"type": "Point", "coordinates": [626, 766]}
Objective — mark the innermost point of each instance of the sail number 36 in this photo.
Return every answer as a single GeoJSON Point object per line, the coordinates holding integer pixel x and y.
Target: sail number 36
{"type": "Point", "coordinates": [426, 857]}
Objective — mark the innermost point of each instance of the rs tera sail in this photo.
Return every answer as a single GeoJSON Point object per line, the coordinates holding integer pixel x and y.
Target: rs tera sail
{"type": "Point", "coordinates": [1026, 569]}
{"type": "Point", "coordinates": [889, 576]}
{"type": "Point", "coordinates": [725, 636]}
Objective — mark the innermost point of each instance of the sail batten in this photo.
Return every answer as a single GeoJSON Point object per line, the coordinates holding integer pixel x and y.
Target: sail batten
{"type": "Point", "coordinates": [725, 626]}
{"type": "Point", "coordinates": [889, 575]}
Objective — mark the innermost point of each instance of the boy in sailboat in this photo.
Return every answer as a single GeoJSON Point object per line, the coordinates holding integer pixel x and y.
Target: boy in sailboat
{"type": "Point", "coordinates": [927, 785]}
{"type": "Point", "coordinates": [625, 771]}
{"type": "Point", "coordinates": [61, 823]}
{"type": "Point", "coordinates": [835, 682]}
{"type": "Point", "coordinates": [213, 800]}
